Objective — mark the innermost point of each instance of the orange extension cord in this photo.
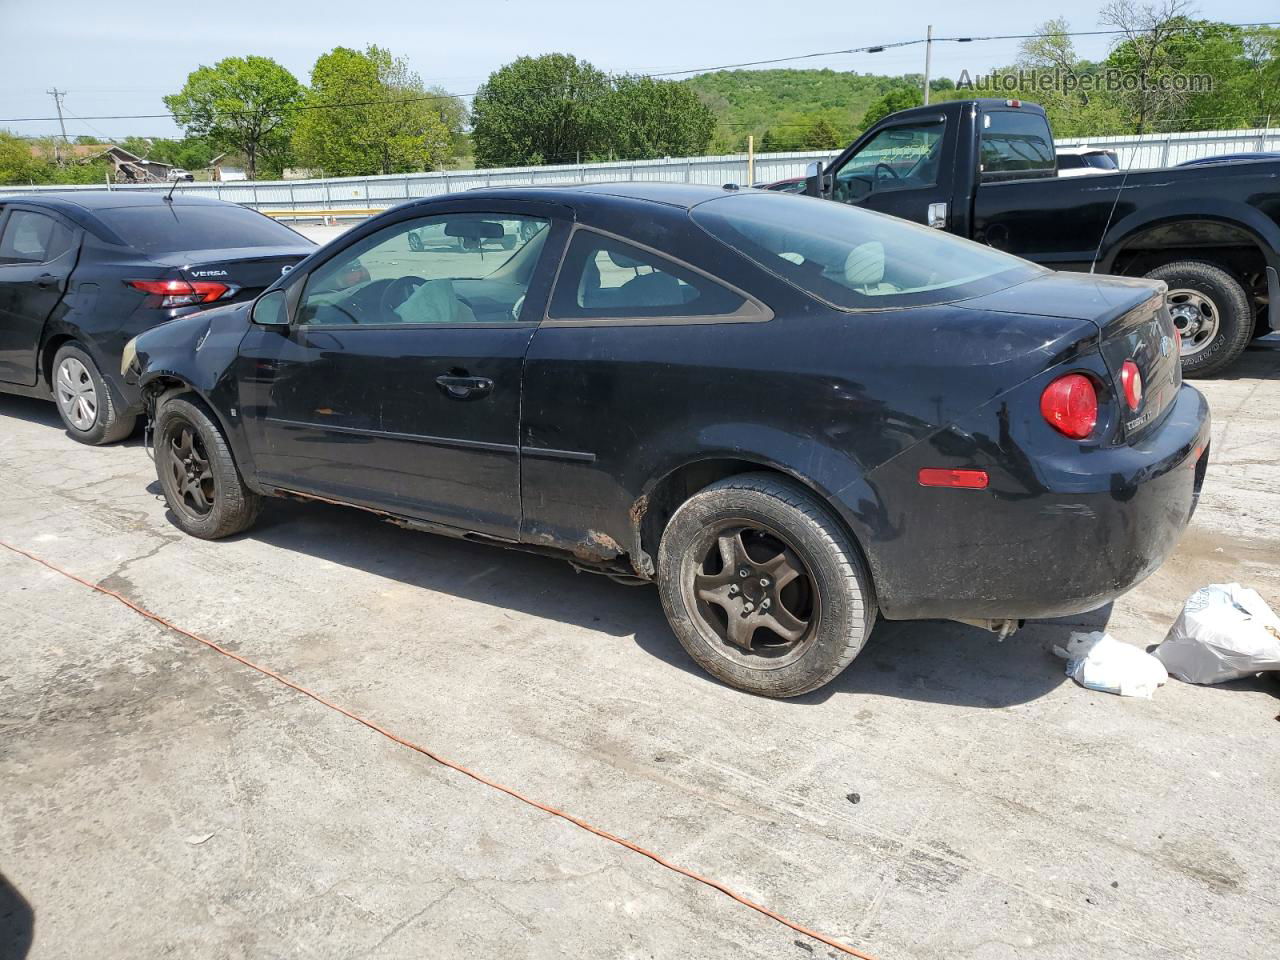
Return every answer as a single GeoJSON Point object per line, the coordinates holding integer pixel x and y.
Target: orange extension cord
{"type": "Point", "coordinates": [577, 822]}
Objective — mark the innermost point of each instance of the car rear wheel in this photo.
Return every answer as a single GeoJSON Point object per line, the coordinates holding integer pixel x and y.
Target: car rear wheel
{"type": "Point", "coordinates": [201, 483]}
{"type": "Point", "coordinates": [84, 401]}
{"type": "Point", "coordinates": [1211, 311]}
{"type": "Point", "coordinates": [763, 587]}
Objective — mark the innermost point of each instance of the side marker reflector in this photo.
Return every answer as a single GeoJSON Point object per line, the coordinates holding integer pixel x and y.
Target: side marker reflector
{"type": "Point", "coordinates": [964, 479]}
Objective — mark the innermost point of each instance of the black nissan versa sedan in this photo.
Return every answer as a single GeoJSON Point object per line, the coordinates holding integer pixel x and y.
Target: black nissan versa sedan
{"type": "Point", "coordinates": [83, 271]}
{"type": "Point", "coordinates": [791, 414]}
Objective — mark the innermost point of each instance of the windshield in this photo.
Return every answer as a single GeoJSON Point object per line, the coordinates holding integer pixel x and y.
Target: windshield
{"type": "Point", "coordinates": [853, 258]}
{"type": "Point", "coordinates": [166, 227]}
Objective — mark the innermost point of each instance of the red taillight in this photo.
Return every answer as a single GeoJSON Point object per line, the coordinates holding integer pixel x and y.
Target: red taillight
{"type": "Point", "coordinates": [964, 479]}
{"type": "Point", "coordinates": [180, 293]}
{"type": "Point", "coordinates": [1070, 405]}
{"type": "Point", "coordinates": [1131, 381]}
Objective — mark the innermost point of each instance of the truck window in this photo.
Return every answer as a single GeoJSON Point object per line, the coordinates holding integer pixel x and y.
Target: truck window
{"type": "Point", "coordinates": [904, 156]}
{"type": "Point", "coordinates": [1015, 143]}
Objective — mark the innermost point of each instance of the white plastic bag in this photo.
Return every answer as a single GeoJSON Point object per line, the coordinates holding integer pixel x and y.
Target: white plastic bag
{"type": "Point", "coordinates": [1101, 662]}
{"type": "Point", "coordinates": [1225, 632]}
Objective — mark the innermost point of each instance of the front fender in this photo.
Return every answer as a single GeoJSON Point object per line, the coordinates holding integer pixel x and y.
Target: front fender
{"type": "Point", "coordinates": [199, 353]}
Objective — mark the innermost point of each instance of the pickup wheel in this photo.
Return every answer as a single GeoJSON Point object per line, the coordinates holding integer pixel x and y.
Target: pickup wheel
{"type": "Point", "coordinates": [1211, 311]}
{"type": "Point", "coordinates": [84, 401]}
{"type": "Point", "coordinates": [201, 483]}
{"type": "Point", "coordinates": [763, 587]}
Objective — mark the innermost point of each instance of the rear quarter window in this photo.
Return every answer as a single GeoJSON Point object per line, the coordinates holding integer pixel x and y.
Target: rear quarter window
{"type": "Point", "coordinates": [853, 258]}
{"type": "Point", "coordinates": [176, 227]}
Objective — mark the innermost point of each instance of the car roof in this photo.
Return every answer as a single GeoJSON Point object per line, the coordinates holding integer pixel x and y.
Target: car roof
{"type": "Point", "coordinates": [107, 199]}
{"type": "Point", "coordinates": [1080, 151]}
{"type": "Point", "coordinates": [680, 195]}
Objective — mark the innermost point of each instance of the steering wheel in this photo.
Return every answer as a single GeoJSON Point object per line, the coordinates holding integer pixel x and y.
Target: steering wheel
{"type": "Point", "coordinates": [397, 292]}
{"type": "Point", "coordinates": [515, 307]}
{"type": "Point", "coordinates": [893, 174]}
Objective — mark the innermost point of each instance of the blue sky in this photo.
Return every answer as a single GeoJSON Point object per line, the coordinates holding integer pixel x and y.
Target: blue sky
{"type": "Point", "coordinates": [121, 63]}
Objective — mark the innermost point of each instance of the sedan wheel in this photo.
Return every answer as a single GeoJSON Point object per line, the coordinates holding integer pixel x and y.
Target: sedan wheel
{"type": "Point", "coordinates": [763, 586]}
{"type": "Point", "coordinates": [76, 394]}
{"type": "Point", "coordinates": [85, 403]}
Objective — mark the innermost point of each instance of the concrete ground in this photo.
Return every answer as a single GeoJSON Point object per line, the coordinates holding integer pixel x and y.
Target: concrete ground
{"type": "Point", "coordinates": [157, 799]}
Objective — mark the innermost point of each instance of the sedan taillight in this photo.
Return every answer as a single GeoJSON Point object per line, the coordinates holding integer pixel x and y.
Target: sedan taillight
{"type": "Point", "coordinates": [181, 293]}
{"type": "Point", "coordinates": [1070, 405]}
{"type": "Point", "coordinates": [1131, 381]}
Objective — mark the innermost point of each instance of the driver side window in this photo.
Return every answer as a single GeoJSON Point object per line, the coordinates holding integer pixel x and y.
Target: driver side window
{"type": "Point", "coordinates": [896, 158]}
{"type": "Point", "coordinates": [452, 268]}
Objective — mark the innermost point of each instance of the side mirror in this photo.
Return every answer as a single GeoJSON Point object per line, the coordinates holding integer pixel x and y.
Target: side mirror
{"type": "Point", "coordinates": [813, 179]}
{"type": "Point", "coordinates": [271, 310]}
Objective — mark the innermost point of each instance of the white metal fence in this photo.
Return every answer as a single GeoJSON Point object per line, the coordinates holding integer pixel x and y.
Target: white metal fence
{"type": "Point", "coordinates": [307, 199]}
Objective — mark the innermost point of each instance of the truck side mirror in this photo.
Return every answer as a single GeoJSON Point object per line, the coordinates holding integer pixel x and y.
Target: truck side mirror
{"type": "Point", "coordinates": [813, 179]}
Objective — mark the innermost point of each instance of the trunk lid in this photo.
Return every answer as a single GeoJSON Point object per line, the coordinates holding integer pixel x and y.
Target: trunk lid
{"type": "Point", "coordinates": [246, 270]}
{"type": "Point", "coordinates": [1132, 321]}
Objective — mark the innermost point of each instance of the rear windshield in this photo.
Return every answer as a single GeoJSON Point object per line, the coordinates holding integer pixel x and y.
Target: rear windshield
{"type": "Point", "coordinates": [853, 258]}
{"type": "Point", "coordinates": [177, 227]}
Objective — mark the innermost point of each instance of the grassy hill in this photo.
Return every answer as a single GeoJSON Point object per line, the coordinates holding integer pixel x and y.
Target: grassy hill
{"type": "Point", "coordinates": [786, 103]}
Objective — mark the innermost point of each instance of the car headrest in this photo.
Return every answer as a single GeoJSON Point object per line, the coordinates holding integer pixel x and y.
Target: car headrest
{"type": "Point", "coordinates": [864, 267]}
{"type": "Point", "coordinates": [622, 260]}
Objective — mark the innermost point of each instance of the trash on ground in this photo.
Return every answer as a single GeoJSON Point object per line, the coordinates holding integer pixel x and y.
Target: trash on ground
{"type": "Point", "coordinates": [1225, 632]}
{"type": "Point", "coordinates": [1099, 661]}
{"type": "Point", "coordinates": [198, 838]}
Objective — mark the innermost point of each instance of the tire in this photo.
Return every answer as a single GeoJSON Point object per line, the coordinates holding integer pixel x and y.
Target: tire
{"type": "Point", "coordinates": [84, 401]}
{"type": "Point", "coordinates": [202, 485]}
{"type": "Point", "coordinates": [1213, 305]}
{"type": "Point", "coordinates": [832, 597]}
{"type": "Point", "coordinates": [415, 241]}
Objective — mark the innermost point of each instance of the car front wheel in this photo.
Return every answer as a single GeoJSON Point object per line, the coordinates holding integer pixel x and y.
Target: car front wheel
{"type": "Point", "coordinates": [201, 483]}
{"type": "Point", "coordinates": [763, 587]}
{"type": "Point", "coordinates": [83, 399]}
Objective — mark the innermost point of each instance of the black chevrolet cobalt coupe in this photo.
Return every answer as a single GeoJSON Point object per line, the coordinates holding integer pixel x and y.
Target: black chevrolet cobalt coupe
{"type": "Point", "coordinates": [791, 414]}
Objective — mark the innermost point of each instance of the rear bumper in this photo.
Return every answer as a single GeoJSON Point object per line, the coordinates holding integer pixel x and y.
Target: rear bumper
{"type": "Point", "coordinates": [1050, 537]}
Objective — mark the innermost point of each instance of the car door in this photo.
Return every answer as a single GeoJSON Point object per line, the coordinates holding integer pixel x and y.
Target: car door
{"type": "Point", "coordinates": [397, 383]}
{"type": "Point", "coordinates": [37, 254]}
{"type": "Point", "coordinates": [896, 170]}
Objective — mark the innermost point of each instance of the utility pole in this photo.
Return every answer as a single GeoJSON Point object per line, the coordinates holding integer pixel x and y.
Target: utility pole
{"type": "Point", "coordinates": [57, 102]}
{"type": "Point", "coordinates": [928, 53]}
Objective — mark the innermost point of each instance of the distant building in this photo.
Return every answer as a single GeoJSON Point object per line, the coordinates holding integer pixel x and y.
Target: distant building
{"type": "Point", "coordinates": [125, 167]}
{"type": "Point", "coordinates": [222, 172]}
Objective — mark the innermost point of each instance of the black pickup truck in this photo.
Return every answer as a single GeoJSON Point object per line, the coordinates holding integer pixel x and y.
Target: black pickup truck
{"type": "Point", "coordinates": [987, 170]}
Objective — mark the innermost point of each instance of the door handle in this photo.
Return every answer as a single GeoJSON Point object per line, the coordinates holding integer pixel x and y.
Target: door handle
{"type": "Point", "coordinates": [464, 388]}
{"type": "Point", "coordinates": [46, 280]}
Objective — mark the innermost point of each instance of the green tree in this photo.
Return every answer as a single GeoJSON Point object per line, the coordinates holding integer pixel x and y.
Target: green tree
{"type": "Point", "coordinates": [246, 105]}
{"type": "Point", "coordinates": [17, 165]}
{"type": "Point", "coordinates": [899, 98]}
{"type": "Point", "coordinates": [534, 110]}
{"type": "Point", "coordinates": [646, 118]}
{"type": "Point", "coordinates": [821, 135]}
{"type": "Point", "coordinates": [367, 113]}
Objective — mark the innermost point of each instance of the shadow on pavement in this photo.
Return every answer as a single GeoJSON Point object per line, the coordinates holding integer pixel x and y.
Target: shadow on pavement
{"type": "Point", "coordinates": [929, 661]}
{"type": "Point", "coordinates": [44, 413]}
{"type": "Point", "coordinates": [17, 922]}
